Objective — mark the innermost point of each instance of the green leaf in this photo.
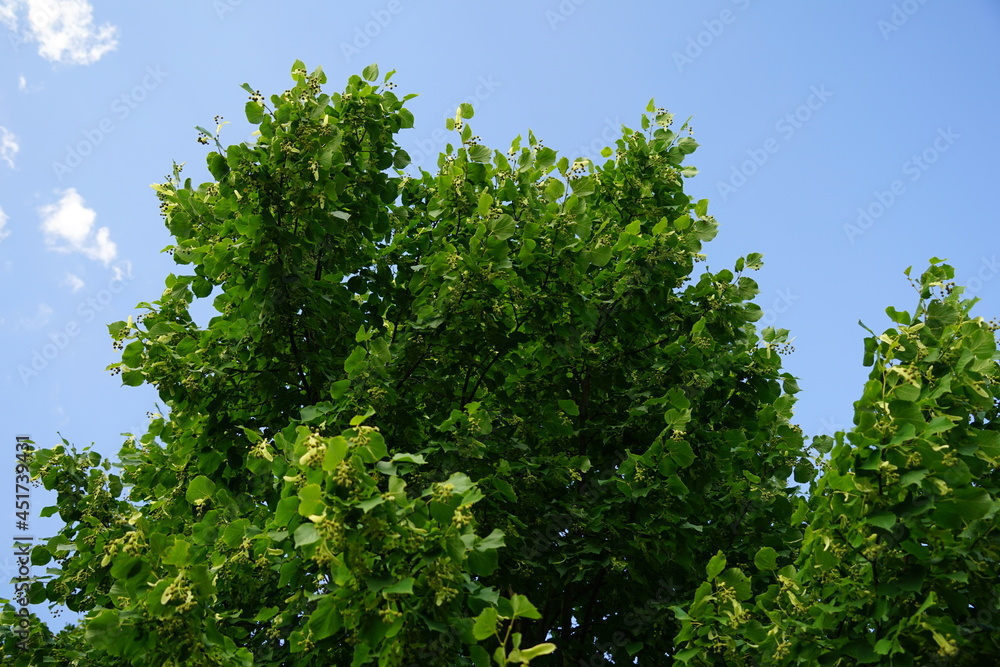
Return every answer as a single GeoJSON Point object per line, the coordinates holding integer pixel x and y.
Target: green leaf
{"type": "Point", "coordinates": [527, 654]}
{"type": "Point", "coordinates": [569, 407]}
{"type": "Point", "coordinates": [311, 412]}
{"type": "Point", "coordinates": [716, 565]}
{"type": "Point", "coordinates": [966, 505]}
{"type": "Point", "coordinates": [403, 457]}
{"type": "Point", "coordinates": [486, 624]}
{"type": "Point", "coordinates": [884, 520]}
{"type": "Point", "coordinates": [325, 620]}
{"type": "Point", "coordinates": [989, 445]}
{"type": "Point", "coordinates": [403, 587]}
{"type": "Point", "coordinates": [311, 500]}
{"type": "Point", "coordinates": [480, 153]}
{"type": "Point", "coordinates": [681, 452]}
{"type": "Point", "coordinates": [286, 510]}
{"type": "Point", "coordinates": [480, 658]}
{"type": "Point", "coordinates": [485, 203]}
{"type": "Point", "coordinates": [40, 555]}
{"type": "Point", "coordinates": [103, 631]}
{"type": "Point", "coordinates": [354, 361]}
{"type": "Point", "coordinates": [255, 113]}
{"type": "Point", "coordinates": [766, 559]}
{"type": "Point", "coordinates": [336, 451]}
{"type": "Point", "coordinates": [266, 614]}
{"type": "Point", "coordinates": [546, 157]}
{"type": "Point", "coordinates": [133, 378]}
{"type": "Point", "coordinates": [583, 186]}
{"type": "Point", "coordinates": [201, 287]}
{"type": "Point", "coordinates": [687, 654]}
{"type": "Point", "coordinates": [503, 227]}
{"type": "Point", "coordinates": [400, 159]}
{"type": "Point", "coordinates": [199, 490]}
{"type": "Point", "coordinates": [306, 534]}
{"type": "Point", "coordinates": [371, 503]}
{"type": "Point", "coordinates": [129, 568]}
{"type": "Point", "coordinates": [554, 189]}
{"type": "Point", "coordinates": [370, 73]}
{"type": "Point", "coordinates": [218, 167]}
{"type": "Point", "coordinates": [738, 581]}
{"type": "Point", "coordinates": [523, 608]}
{"type": "Point", "coordinates": [177, 554]}
{"type": "Point", "coordinates": [505, 489]}
{"type": "Point", "coordinates": [492, 541]}
{"type": "Point", "coordinates": [688, 145]}
{"type": "Point", "coordinates": [883, 646]}
{"type": "Point", "coordinates": [600, 256]}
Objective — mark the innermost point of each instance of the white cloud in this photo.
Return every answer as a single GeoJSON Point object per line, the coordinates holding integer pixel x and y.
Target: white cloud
{"type": "Point", "coordinates": [7, 15]}
{"type": "Point", "coordinates": [64, 29]}
{"type": "Point", "coordinates": [8, 146]}
{"type": "Point", "coordinates": [4, 232]}
{"type": "Point", "coordinates": [69, 227]}
{"type": "Point", "coordinates": [22, 85]}
{"type": "Point", "coordinates": [74, 281]}
{"type": "Point", "coordinates": [122, 271]}
{"type": "Point", "coordinates": [41, 317]}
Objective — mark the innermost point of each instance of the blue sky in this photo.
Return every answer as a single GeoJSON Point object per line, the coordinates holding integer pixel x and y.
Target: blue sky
{"type": "Point", "coordinates": [845, 141]}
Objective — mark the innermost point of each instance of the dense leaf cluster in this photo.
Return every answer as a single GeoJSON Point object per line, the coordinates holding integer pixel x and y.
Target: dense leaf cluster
{"type": "Point", "coordinates": [493, 412]}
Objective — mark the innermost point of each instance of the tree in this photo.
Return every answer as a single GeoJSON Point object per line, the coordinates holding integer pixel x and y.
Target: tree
{"type": "Point", "coordinates": [489, 412]}
{"type": "Point", "coordinates": [898, 562]}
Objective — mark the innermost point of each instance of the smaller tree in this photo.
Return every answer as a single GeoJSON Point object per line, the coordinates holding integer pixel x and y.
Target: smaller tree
{"type": "Point", "coordinates": [898, 562]}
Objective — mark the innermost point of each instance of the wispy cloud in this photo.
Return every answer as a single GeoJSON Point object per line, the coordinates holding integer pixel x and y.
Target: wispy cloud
{"type": "Point", "coordinates": [8, 146]}
{"type": "Point", "coordinates": [121, 271]}
{"type": "Point", "coordinates": [4, 232]}
{"type": "Point", "coordinates": [74, 281]}
{"type": "Point", "coordinates": [42, 316]}
{"type": "Point", "coordinates": [69, 227]}
{"type": "Point", "coordinates": [64, 29]}
{"type": "Point", "coordinates": [7, 15]}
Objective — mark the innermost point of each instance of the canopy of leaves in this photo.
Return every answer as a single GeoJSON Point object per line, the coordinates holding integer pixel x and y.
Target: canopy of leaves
{"type": "Point", "coordinates": [898, 562]}
{"type": "Point", "coordinates": [491, 413]}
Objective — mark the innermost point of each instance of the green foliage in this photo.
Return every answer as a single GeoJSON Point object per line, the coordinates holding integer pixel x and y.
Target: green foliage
{"type": "Point", "coordinates": [491, 414]}
{"type": "Point", "coordinates": [898, 561]}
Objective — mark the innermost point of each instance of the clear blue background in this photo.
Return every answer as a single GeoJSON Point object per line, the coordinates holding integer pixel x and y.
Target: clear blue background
{"type": "Point", "coordinates": [808, 114]}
